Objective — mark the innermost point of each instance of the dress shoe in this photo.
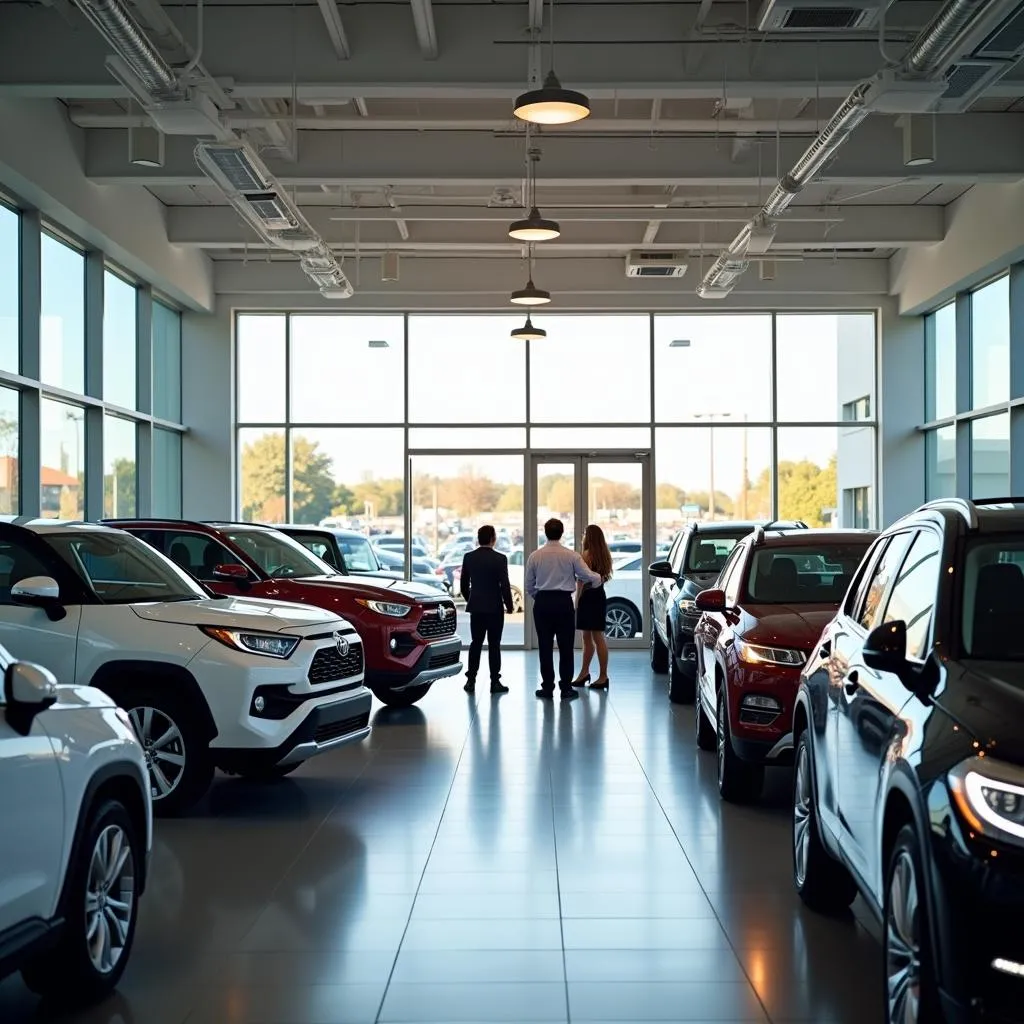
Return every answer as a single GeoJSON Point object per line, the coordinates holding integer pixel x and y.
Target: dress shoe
{"type": "Point", "coordinates": [600, 684]}
{"type": "Point", "coordinates": [470, 686]}
{"type": "Point", "coordinates": [581, 680]}
{"type": "Point", "coordinates": [498, 688]}
{"type": "Point", "coordinates": [546, 694]}
{"type": "Point", "coordinates": [570, 694]}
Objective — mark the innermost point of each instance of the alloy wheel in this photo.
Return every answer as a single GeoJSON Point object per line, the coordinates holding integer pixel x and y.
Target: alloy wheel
{"type": "Point", "coordinates": [618, 624]}
{"type": "Point", "coordinates": [163, 746]}
{"type": "Point", "coordinates": [903, 948]}
{"type": "Point", "coordinates": [801, 816]}
{"type": "Point", "coordinates": [109, 898]}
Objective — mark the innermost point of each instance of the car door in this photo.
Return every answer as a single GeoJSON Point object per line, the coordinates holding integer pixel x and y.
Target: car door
{"type": "Point", "coordinates": [31, 823]}
{"type": "Point", "coordinates": [32, 634]}
{"type": "Point", "coordinates": [710, 628]}
{"type": "Point", "coordinates": [869, 719]}
{"type": "Point", "coordinates": [199, 554]}
{"type": "Point", "coordinates": [662, 590]}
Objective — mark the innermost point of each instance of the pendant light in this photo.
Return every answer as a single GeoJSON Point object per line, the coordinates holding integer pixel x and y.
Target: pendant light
{"type": "Point", "coordinates": [533, 227]}
{"type": "Point", "coordinates": [531, 295]}
{"type": "Point", "coordinates": [528, 332]}
{"type": "Point", "coordinates": [551, 103]}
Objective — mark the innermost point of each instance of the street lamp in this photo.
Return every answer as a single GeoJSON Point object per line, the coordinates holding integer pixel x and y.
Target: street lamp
{"type": "Point", "coordinates": [710, 417]}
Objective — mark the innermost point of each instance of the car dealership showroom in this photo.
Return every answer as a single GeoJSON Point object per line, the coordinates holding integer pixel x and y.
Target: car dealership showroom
{"type": "Point", "coordinates": [507, 511]}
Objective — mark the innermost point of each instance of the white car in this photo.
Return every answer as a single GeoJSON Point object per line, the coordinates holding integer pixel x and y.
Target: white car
{"type": "Point", "coordinates": [252, 687]}
{"type": "Point", "coordinates": [623, 618]}
{"type": "Point", "coordinates": [76, 828]}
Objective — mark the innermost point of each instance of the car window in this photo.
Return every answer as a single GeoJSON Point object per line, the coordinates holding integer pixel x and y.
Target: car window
{"type": "Point", "coordinates": [17, 563]}
{"type": "Point", "coordinates": [817, 572]}
{"type": "Point", "coordinates": [676, 552]}
{"type": "Point", "coordinates": [278, 556]}
{"type": "Point", "coordinates": [730, 577]}
{"type": "Point", "coordinates": [855, 595]}
{"type": "Point", "coordinates": [707, 554]}
{"type": "Point", "coordinates": [628, 565]}
{"type": "Point", "coordinates": [870, 609]}
{"type": "Point", "coordinates": [993, 600]}
{"type": "Point", "coordinates": [912, 599]}
{"type": "Point", "coordinates": [358, 554]}
{"type": "Point", "coordinates": [197, 553]}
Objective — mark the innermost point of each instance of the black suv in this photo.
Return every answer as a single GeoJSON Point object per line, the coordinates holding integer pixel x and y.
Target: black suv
{"type": "Point", "coordinates": [694, 561]}
{"type": "Point", "coordinates": [909, 739]}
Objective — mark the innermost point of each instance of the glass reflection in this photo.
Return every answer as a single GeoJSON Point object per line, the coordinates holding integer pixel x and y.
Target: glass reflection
{"type": "Point", "coordinates": [62, 473]}
{"type": "Point", "coordinates": [62, 315]}
{"type": "Point", "coordinates": [120, 451]}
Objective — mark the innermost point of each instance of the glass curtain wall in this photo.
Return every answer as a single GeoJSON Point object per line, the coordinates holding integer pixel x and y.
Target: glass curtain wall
{"type": "Point", "coordinates": [974, 396]}
{"type": "Point", "coordinates": [748, 416]}
{"type": "Point", "coordinates": [55, 400]}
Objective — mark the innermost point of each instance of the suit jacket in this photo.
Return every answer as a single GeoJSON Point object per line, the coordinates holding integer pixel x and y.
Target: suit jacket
{"type": "Point", "coordinates": [484, 583]}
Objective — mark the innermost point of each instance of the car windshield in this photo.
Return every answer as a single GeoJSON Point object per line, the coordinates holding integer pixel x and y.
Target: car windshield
{"type": "Point", "coordinates": [358, 554]}
{"type": "Point", "coordinates": [707, 554]}
{"type": "Point", "coordinates": [277, 555]}
{"type": "Point", "coordinates": [121, 569]}
{"type": "Point", "coordinates": [993, 599]}
{"type": "Point", "coordinates": [805, 574]}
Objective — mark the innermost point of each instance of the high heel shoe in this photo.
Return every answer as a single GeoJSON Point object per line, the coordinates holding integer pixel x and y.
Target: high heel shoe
{"type": "Point", "coordinates": [600, 684]}
{"type": "Point", "coordinates": [581, 680]}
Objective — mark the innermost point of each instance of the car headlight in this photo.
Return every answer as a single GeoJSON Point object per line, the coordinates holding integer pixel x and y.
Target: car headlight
{"type": "Point", "coordinates": [273, 645]}
{"type": "Point", "coordinates": [390, 608]}
{"type": "Point", "coordinates": [754, 654]}
{"type": "Point", "coordinates": [990, 796]}
{"type": "Point", "coordinates": [688, 604]}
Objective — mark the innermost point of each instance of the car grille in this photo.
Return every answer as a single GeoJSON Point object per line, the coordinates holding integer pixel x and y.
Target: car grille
{"type": "Point", "coordinates": [332, 730]}
{"type": "Point", "coordinates": [432, 625]}
{"type": "Point", "coordinates": [328, 664]}
{"type": "Point", "coordinates": [442, 659]}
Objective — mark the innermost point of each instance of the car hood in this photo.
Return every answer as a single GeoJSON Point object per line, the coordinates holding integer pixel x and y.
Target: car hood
{"type": "Point", "coordinates": [368, 588]}
{"type": "Point", "coordinates": [238, 612]}
{"type": "Point", "coordinates": [70, 697]}
{"type": "Point", "coordinates": [987, 699]}
{"type": "Point", "coordinates": [785, 625]}
{"type": "Point", "coordinates": [389, 578]}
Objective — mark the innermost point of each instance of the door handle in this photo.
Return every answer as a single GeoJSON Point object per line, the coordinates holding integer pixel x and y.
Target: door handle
{"type": "Point", "coordinates": [852, 684]}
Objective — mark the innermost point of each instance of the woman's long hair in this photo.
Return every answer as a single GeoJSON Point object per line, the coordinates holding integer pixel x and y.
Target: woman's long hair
{"type": "Point", "coordinates": [596, 553]}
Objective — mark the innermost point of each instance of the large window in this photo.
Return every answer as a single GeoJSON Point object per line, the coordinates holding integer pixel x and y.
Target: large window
{"type": "Point", "coordinates": [120, 348]}
{"type": "Point", "coordinates": [166, 473]}
{"type": "Point", "coordinates": [62, 473]}
{"type": "Point", "coordinates": [10, 280]}
{"type": "Point", "coordinates": [940, 463]}
{"type": "Point", "coordinates": [120, 452]}
{"type": "Point", "coordinates": [940, 363]}
{"type": "Point", "coordinates": [261, 380]}
{"type": "Point", "coordinates": [990, 343]}
{"type": "Point", "coordinates": [10, 453]}
{"type": "Point", "coordinates": [990, 456]}
{"type": "Point", "coordinates": [62, 316]}
{"type": "Point", "coordinates": [166, 362]}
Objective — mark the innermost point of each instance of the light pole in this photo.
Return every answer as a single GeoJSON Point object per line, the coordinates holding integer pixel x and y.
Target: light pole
{"type": "Point", "coordinates": [710, 417]}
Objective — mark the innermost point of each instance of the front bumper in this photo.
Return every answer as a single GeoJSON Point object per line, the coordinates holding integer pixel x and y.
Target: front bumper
{"type": "Point", "coordinates": [325, 726]}
{"type": "Point", "coordinates": [438, 660]}
{"type": "Point", "coordinates": [760, 735]}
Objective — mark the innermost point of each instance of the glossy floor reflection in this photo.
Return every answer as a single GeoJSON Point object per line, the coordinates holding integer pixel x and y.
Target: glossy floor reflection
{"type": "Point", "coordinates": [489, 859]}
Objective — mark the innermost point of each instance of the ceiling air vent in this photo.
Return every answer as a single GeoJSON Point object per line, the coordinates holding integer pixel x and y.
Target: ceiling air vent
{"type": "Point", "coordinates": [816, 15]}
{"type": "Point", "coordinates": [655, 264]}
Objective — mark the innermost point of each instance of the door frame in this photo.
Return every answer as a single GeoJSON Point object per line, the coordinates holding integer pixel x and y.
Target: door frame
{"type": "Point", "coordinates": [581, 460]}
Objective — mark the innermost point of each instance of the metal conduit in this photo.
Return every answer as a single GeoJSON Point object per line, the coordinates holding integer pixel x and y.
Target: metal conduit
{"type": "Point", "coordinates": [129, 42]}
{"type": "Point", "coordinates": [929, 52]}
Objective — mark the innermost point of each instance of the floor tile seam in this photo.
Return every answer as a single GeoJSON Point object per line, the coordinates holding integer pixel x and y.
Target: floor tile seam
{"type": "Point", "coordinates": [426, 863]}
{"type": "Point", "coordinates": [682, 849]}
{"type": "Point", "coordinates": [561, 919]}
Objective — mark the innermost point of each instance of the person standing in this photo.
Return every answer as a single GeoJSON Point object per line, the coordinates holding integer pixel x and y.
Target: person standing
{"type": "Point", "coordinates": [484, 584]}
{"type": "Point", "coordinates": [591, 604]}
{"type": "Point", "coordinates": [552, 573]}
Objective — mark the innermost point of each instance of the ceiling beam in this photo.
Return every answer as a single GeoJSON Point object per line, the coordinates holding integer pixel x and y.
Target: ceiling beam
{"type": "Point", "coordinates": [335, 28]}
{"type": "Point", "coordinates": [970, 147]}
{"type": "Point", "coordinates": [426, 32]}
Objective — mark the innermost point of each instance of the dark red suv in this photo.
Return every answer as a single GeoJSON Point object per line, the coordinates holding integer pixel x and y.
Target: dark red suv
{"type": "Point", "coordinates": [408, 631]}
{"type": "Point", "coordinates": [775, 595]}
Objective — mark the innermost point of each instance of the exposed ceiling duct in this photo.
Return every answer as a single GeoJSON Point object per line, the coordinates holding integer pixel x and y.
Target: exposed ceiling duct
{"type": "Point", "coordinates": [956, 27]}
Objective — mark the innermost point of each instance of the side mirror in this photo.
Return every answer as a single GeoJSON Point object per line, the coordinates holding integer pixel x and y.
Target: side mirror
{"type": "Point", "coordinates": [662, 570]}
{"type": "Point", "coordinates": [711, 600]}
{"type": "Point", "coordinates": [885, 647]}
{"type": "Point", "coordinates": [39, 592]}
{"type": "Point", "coordinates": [233, 571]}
{"type": "Point", "coordinates": [28, 689]}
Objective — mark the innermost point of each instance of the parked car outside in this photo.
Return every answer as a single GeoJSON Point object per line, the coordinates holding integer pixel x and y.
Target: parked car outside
{"type": "Point", "coordinates": [408, 632]}
{"type": "Point", "coordinates": [624, 592]}
{"type": "Point", "coordinates": [777, 591]}
{"type": "Point", "coordinates": [909, 783]}
{"type": "Point", "coordinates": [424, 570]}
{"type": "Point", "coordinates": [76, 835]}
{"type": "Point", "coordinates": [693, 563]}
{"type": "Point", "coordinates": [252, 687]}
{"type": "Point", "coordinates": [391, 542]}
{"type": "Point", "coordinates": [351, 554]}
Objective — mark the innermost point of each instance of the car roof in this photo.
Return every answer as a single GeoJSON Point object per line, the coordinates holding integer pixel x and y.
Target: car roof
{"type": "Point", "coordinates": [53, 525]}
{"type": "Point", "coordinates": [982, 515]}
{"type": "Point", "coordinates": [726, 526]}
{"type": "Point", "coordinates": [803, 537]}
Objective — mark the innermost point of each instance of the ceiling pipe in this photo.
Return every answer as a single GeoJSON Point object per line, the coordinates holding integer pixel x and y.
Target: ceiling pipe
{"type": "Point", "coordinates": [930, 51]}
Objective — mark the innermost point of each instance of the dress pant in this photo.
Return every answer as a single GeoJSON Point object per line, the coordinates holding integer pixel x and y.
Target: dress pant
{"type": "Point", "coordinates": [489, 625]}
{"type": "Point", "coordinates": [555, 619]}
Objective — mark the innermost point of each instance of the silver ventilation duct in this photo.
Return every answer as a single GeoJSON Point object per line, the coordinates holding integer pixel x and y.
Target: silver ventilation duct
{"type": "Point", "coordinates": [933, 49]}
{"type": "Point", "coordinates": [127, 39]}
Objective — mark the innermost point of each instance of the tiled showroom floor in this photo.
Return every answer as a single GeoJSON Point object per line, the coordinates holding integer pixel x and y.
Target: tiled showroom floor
{"type": "Point", "coordinates": [484, 859]}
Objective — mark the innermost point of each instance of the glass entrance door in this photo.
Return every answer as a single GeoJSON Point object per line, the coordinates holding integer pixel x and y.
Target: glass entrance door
{"type": "Point", "coordinates": [611, 490]}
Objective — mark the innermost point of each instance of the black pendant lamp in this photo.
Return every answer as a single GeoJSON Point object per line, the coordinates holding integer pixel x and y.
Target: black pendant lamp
{"type": "Point", "coordinates": [534, 227]}
{"type": "Point", "coordinates": [531, 295]}
{"type": "Point", "coordinates": [528, 332]}
{"type": "Point", "coordinates": [551, 103]}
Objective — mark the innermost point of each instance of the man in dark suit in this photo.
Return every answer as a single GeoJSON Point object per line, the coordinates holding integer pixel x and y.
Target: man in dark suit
{"type": "Point", "coordinates": [484, 585]}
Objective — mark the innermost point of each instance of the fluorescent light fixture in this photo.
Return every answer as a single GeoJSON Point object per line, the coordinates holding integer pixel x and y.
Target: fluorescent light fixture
{"type": "Point", "coordinates": [1008, 967]}
{"type": "Point", "coordinates": [534, 228]}
{"type": "Point", "coordinates": [378, 343]}
{"type": "Point", "coordinates": [551, 104]}
{"type": "Point", "coordinates": [679, 343]}
{"type": "Point", "coordinates": [528, 332]}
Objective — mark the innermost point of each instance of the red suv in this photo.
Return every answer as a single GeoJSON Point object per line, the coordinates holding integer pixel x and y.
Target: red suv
{"type": "Point", "coordinates": [774, 596]}
{"type": "Point", "coordinates": [408, 631]}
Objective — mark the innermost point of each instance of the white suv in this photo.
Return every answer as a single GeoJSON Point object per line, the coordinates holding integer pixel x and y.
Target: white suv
{"type": "Point", "coordinates": [75, 832]}
{"type": "Point", "coordinates": [252, 687]}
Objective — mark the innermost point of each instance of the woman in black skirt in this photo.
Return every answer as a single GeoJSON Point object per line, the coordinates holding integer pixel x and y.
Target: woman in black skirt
{"type": "Point", "coordinates": [590, 609]}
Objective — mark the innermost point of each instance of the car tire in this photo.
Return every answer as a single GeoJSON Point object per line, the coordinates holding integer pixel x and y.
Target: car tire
{"type": "Point", "coordinates": [682, 687]}
{"type": "Point", "coordinates": [705, 731]}
{"type": "Point", "coordinates": [908, 961]}
{"type": "Point", "coordinates": [402, 698]}
{"type": "Point", "coordinates": [517, 600]}
{"type": "Point", "coordinates": [180, 768]}
{"type": "Point", "coordinates": [739, 782]}
{"type": "Point", "coordinates": [622, 620]}
{"type": "Point", "coordinates": [821, 881]}
{"type": "Point", "coordinates": [99, 928]}
{"type": "Point", "coordinates": [660, 654]}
